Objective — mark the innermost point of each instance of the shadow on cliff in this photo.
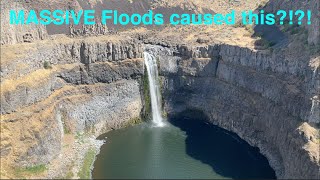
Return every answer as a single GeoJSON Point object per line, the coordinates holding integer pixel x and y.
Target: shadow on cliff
{"type": "Point", "coordinates": [278, 36]}
{"type": "Point", "coordinates": [271, 35]}
{"type": "Point", "coordinates": [224, 151]}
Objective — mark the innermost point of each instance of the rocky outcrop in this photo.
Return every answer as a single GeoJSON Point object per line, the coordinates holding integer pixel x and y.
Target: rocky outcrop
{"type": "Point", "coordinates": [12, 34]}
{"type": "Point", "coordinates": [94, 85]}
{"type": "Point", "coordinates": [277, 76]}
{"type": "Point", "coordinates": [68, 51]}
{"type": "Point", "coordinates": [89, 30]}
{"type": "Point", "coordinates": [83, 60]}
{"type": "Point", "coordinates": [264, 98]}
{"type": "Point", "coordinates": [90, 87]}
{"type": "Point", "coordinates": [93, 109]}
{"type": "Point", "coordinates": [25, 94]}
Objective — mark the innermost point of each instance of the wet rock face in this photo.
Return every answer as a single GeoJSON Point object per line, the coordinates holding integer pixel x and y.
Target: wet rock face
{"type": "Point", "coordinates": [260, 98]}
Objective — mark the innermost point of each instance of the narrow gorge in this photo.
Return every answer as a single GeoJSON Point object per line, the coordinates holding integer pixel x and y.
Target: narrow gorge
{"type": "Point", "coordinates": [60, 92]}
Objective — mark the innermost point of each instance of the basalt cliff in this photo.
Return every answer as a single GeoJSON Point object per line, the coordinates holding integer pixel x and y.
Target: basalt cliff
{"type": "Point", "coordinates": [60, 91]}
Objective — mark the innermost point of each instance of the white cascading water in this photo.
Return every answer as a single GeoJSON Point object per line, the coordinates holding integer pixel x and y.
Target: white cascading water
{"type": "Point", "coordinates": [152, 69]}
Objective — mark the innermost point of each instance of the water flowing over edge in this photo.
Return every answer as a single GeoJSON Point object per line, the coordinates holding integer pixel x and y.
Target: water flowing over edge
{"type": "Point", "coordinates": [154, 87]}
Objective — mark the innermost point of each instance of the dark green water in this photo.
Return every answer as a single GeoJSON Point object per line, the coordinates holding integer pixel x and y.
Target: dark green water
{"type": "Point", "coordinates": [182, 149]}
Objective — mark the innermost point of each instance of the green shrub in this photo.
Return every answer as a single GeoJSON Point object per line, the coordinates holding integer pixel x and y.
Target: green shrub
{"type": "Point", "coordinates": [250, 29]}
{"type": "Point", "coordinates": [31, 170]}
{"type": "Point", "coordinates": [264, 44]}
{"type": "Point", "coordinates": [36, 169]}
{"type": "Point", "coordinates": [47, 65]}
{"type": "Point", "coordinates": [69, 175]}
{"type": "Point", "coordinates": [133, 121]}
{"type": "Point", "coordinates": [66, 129]}
{"type": "Point", "coordinates": [238, 24]}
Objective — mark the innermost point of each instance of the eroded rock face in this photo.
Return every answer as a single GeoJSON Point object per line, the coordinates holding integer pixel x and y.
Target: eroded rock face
{"type": "Point", "coordinates": [89, 30]}
{"type": "Point", "coordinates": [271, 101]}
{"type": "Point", "coordinates": [91, 87]}
{"type": "Point", "coordinates": [95, 86]}
{"type": "Point", "coordinates": [93, 109]}
{"type": "Point", "coordinates": [83, 59]}
{"type": "Point", "coordinates": [264, 99]}
{"type": "Point", "coordinates": [12, 34]}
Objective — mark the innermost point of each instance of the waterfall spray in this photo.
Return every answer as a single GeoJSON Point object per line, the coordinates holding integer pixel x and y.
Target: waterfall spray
{"type": "Point", "coordinates": [152, 69]}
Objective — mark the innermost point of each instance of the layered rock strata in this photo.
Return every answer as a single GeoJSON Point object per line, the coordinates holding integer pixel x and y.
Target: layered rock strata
{"type": "Point", "coordinates": [268, 101]}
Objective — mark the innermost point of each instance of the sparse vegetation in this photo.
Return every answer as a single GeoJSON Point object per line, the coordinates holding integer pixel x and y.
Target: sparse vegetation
{"type": "Point", "coordinates": [47, 65]}
{"type": "Point", "coordinates": [85, 171]}
{"type": "Point", "coordinates": [238, 24]}
{"type": "Point", "coordinates": [250, 29]}
{"type": "Point", "coordinates": [69, 174]}
{"type": "Point", "coordinates": [262, 44]}
{"type": "Point", "coordinates": [164, 114]}
{"type": "Point", "coordinates": [80, 137]}
{"type": "Point", "coordinates": [66, 128]}
{"type": "Point", "coordinates": [299, 30]}
{"type": "Point", "coordinates": [293, 29]}
{"type": "Point", "coordinates": [36, 169]}
{"type": "Point", "coordinates": [29, 171]}
{"type": "Point", "coordinates": [133, 121]}
{"type": "Point", "coordinates": [262, 4]}
{"type": "Point", "coordinates": [314, 49]}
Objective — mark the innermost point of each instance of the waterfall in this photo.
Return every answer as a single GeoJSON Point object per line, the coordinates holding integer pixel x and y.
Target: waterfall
{"type": "Point", "coordinates": [152, 69]}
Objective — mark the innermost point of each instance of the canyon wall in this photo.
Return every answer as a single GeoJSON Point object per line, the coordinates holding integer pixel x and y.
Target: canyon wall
{"type": "Point", "coordinates": [92, 85]}
{"type": "Point", "coordinates": [265, 98]}
{"type": "Point", "coordinates": [61, 86]}
{"type": "Point", "coordinates": [12, 34]}
{"type": "Point", "coordinates": [66, 87]}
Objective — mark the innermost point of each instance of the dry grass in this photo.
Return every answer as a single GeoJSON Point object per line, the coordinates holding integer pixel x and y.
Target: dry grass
{"type": "Point", "coordinates": [216, 34]}
{"type": "Point", "coordinates": [315, 63]}
{"type": "Point", "coordinates": [29, 171]}
{"type": "Point", "coordinates": [33, 79]}
{"type": "Point", "coordinates": [46, 106]}
{"type": "Point", "coordinates": [11, 52]}
{"type": "Point", "coordinates": [18, 51]}
{"type": "Point", "coordinates": [34, 119]}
